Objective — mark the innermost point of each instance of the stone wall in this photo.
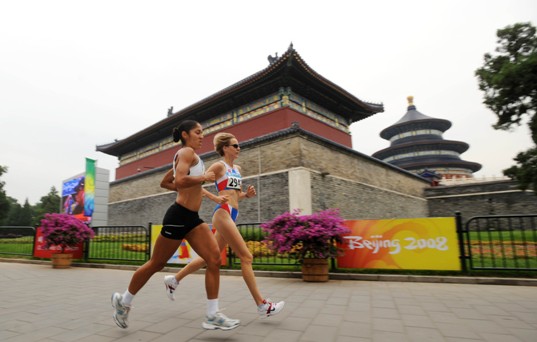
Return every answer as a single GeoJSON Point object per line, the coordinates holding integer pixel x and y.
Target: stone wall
{"type": "Point", "coordinates": [479, 199]}
{"type": "Point", "coordinates": [361, 186]}
{"type": "Point", "coordinates": [357, 200]}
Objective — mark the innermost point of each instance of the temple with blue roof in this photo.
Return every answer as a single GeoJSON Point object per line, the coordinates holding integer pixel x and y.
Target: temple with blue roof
{"type": "Point", "coordinates": [417, 145]}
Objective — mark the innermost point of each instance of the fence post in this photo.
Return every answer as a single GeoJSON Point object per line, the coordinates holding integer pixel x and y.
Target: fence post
{"type": "Point", "coordinates": [332, 259]}
{"type": "Point", "coordinates": [87, 245]}
{"type": "Point", "coordinates": [86, 250]}
{"type": "Point", "coordinates": [35, 239]}
{"type": "Point", "coordinates": [148, 239]}
{"type": "Point", "coordinates": [229, 257]}
{"type": "Point", "coordinates": [460, 236]}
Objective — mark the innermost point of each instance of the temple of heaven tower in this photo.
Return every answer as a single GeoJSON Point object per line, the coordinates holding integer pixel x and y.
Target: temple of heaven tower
{"type": "Point", "coordinates": [417, 145]}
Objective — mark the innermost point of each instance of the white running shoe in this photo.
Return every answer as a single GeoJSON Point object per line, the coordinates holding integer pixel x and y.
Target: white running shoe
{"type": "Point", "coordinates": [122, 311]}
{"type": "Point", "coordinates": [269, 308]}
{"type": "Point", "coordinates": [220, 321]}
{"type": "Point", "coordinates": [171, 284]}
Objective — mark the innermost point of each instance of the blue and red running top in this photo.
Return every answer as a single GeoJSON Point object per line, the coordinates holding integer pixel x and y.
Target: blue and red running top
{"type": "Point", "coordinates": [231, 180]}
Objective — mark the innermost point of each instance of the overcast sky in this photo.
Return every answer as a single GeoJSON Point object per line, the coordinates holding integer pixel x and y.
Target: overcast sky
{"type": "Point", "coordinates": [76, 74]}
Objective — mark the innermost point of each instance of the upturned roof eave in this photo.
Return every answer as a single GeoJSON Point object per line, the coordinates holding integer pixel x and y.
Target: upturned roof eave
{"type": "Point", "coordinates": [457, 146]}
{"type": "Point", "coordinates": [441, 163]}
{"type": "Point", "coordinates": [290, 60]}
{"type": "Point", "coordinates": [388, 132]}
{"type": "Point", "coordinates": [294, 129]}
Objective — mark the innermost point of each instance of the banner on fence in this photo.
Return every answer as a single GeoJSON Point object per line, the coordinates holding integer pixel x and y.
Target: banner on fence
{"type": "Point", "coordinates": [41, 252]}
{"type": "Point", "coordinates": [414, 243]}
{"type": "Point", "coordinates": [184, 254]}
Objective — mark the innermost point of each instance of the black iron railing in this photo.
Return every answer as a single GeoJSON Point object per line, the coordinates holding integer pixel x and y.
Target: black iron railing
{"type": "Point", "coordinates": [487, 242]}
{"type": "Point", "coordinates": [17, 240]}
{"type": "Point", "coordinates": [122, 243]}
{"type": "Point", "coordinates": [253, 236]}
{"type": "Point", "coordinates": [507, 242]}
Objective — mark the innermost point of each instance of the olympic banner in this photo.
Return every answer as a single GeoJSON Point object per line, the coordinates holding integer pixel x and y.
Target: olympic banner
{"type": "Point", "coordinates": [415, 243]}
{"type": "Point", "coordinates": [184, 254]}
{"type": "Point", "coordinates": [89, 189]}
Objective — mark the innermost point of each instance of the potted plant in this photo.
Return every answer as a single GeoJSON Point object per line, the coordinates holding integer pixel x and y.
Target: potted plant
{"type": "Point", "coordinates": [61, 232]}
{"type": "Point", "coordinates": [311, 239]}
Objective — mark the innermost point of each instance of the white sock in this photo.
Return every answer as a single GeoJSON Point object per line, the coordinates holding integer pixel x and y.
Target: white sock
{"type": "Point", "coordinates": [212, 307]}
{"type": "Point", "coordinates": [127, 297]}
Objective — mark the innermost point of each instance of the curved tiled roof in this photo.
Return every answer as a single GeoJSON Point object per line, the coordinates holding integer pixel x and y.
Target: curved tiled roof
{"type": "Point", "coordinates": [413, 119]}
{"type": "Point", "coordinates": [442, 163]}
{"type": "Point", "coordinates": [414, 144]}
{"type": "Point", "coordinates": [423, 145]}
{"type": "Point", "coordinates": [290, 70]}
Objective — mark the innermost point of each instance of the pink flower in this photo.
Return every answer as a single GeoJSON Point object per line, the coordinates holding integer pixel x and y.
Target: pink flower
{"type": "Point", "coordinates": [64, 230]}
{"type": "Point", "coordinates": [306, 236]}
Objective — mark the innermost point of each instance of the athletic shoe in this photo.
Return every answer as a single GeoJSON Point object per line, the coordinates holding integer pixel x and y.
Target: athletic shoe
{"type": "Point", "coordinates": [122, 311]}
{"type": "Point", "coordinates": [220, 321]}
{"type": "Point", "coordinates": [269, 308]}
{"type": "Point", "coordinates": [171, 284]}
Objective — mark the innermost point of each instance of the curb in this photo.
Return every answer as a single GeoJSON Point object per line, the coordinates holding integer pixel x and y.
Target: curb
{"type": "Point", "coordinates": [333, 276]}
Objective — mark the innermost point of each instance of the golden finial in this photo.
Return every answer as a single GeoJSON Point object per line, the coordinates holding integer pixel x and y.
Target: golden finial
{"type": "Point", "coordinates": [410, 100]}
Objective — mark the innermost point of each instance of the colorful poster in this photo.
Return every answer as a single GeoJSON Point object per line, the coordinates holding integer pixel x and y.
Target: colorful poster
{"type": "Point", "coordinates": [89, 189]}
{"type": "Point", "coordinates": [184, 253]}
{"type": "Point", "coordinates": [415, 243]}
{"type": "Point", "coordinates": [73, 197]}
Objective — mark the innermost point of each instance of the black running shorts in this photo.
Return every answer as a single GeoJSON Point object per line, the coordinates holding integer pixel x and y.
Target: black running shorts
{"type": "Point", "coordinates": [179, 221]}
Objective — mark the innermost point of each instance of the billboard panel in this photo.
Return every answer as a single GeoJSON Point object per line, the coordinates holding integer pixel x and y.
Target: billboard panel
{"type": "Point", "coordinates": [73, 197]}
{"type": "Point", "coordinates": [184, 254]}
{"type": "Point", "coordinates": [414, 243]}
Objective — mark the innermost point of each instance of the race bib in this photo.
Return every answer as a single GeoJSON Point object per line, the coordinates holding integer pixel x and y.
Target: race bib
{"type": "Point", "coordinates": [234, 183]}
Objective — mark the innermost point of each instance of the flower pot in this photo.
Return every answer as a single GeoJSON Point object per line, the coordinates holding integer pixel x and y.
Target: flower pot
{"type": "Point", "coordinates": [62, 260]}
{"type": "Point", "coordinates": [315, 270]}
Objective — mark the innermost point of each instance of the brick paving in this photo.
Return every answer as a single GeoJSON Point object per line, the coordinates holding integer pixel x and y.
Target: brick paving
{"type": "Point", "coordinates": [39, 303]}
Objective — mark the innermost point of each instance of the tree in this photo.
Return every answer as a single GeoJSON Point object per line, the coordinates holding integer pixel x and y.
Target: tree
{"type": "Point", "coordinates": [26, 215]}
{"type": "Point", "coordinates": [4, 202]}
{"type": "Point", "coordinates": [49, 203]}
{"type": "Point", "coordinates": [20, 215]}
{"type": "Point", "coordinates": [509, 81]}
{"type": "Point", "coordinates": [526, 173]}
{"type": "Point", "coordinates": [14, 212]}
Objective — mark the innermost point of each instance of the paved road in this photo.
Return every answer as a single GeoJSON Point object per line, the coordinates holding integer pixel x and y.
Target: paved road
{"type": "Point", "coordinates": [39, 303]}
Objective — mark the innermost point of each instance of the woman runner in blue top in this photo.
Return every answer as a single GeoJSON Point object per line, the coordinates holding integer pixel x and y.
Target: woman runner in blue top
{"type": "Point", "coordinates": [229, 186]}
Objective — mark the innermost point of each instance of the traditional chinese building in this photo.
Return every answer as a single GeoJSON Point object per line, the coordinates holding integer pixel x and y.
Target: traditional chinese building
{"type": "Point", "coordinates": [296, 148]}
{"type": "Point", "coordinates": [417, 145]}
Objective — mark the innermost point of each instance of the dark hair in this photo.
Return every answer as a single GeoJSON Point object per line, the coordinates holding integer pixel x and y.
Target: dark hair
{"type": "Point", "coordinates": [184, 126]}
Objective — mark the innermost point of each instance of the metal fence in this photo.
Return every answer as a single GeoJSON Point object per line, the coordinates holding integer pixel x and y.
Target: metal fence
{"type": "Point", "coordinates": [253, 236]}
{"type": "Point", "coordinates": [17, 240]}
{"type": "Point", "coordinates": [122, 243]}
{"type": "Point", "coordinates": [507, 242]}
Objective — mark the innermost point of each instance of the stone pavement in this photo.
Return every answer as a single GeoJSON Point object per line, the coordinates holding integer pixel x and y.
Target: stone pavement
{"type": "Point", "coordinates": [39, 303]}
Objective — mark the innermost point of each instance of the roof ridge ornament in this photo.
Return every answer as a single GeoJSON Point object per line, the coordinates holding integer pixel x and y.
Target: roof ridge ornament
{"type": "Point", "coordinates": [290, 48]}
{"type": "Point", "coordinates": [271, 59]}
{"type": "Point", "coordinates": [410, 100]}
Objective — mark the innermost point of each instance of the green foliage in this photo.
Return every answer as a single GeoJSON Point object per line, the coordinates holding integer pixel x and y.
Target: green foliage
{"type": "Point", "coordinates": [509, 81]}
{"type": "Point", "coordinates": [49, 203]}
{"type": "Point", "coordinates": [13, 214]}
{"type": "Point", "coordinates": [4, 202]}
{"type": "Point", "coordinates": [526, 173]}
{"type": "Point", "coordinates": [251, 233]}
{"type": "Point", "coordinates": [19, 215]}
{"type": "Point", "coordinates": [509, 78]}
